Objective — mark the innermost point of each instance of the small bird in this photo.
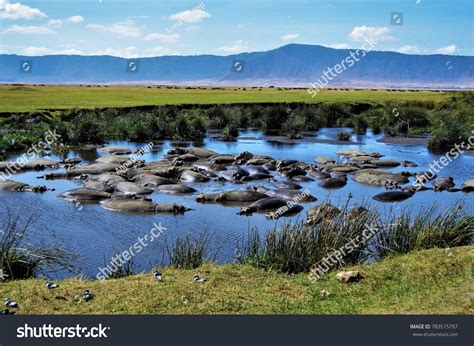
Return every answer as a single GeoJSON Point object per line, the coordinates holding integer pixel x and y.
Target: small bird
{"type": "Point", "coordinates": [50, 285]}
{"type": "Point", "coordinates": [10, 303]}
{"type": "Point", "coordinates": [197, 278]}
{"type": "Point", "coordinates": [324, 294]}
{"type": "Point", "coordinates": [87, 295]}
{"type": "Point", "coordinates": [158, 276]}
{"type": "Point", "coordinates": [7, 312]}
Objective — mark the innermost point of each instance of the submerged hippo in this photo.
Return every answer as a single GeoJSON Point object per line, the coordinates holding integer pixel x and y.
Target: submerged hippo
{"type": "Point", "coordinates": [244, 196]}
{"type": "Point", "coordinates": [284, 211]}
{"type": "Point", "coordinates": [132, 188]}
{"type": "Point", "coordinates": [386, 163]}
{"type": "Point", "coordinates": [394, 196]}
{"type": "Point", "coordinates": [84, 195]}
{"type": "Point", "coordinates": [256, 176]}
{"type": "Point", "coordinates": [11, 185]}
{"type": "Point", "coordinates": [94, 169]}
{"type": "Point", "coordinates": [266, 204]}
{"type": "Point", "coordinates": [320, 213]}
{"type": "Point", "coordinates": [130, 205]}
{"type": "Point", "coordinates": [375, 177]}
{"type": "Point", "coordinates": [117, 159]}
{"type": "Point", "coordinates": [441, 184]}
{"type": "Point", "coordinates": [290, 195]}
{"type": "Point", "coordinates": [114, 150]}
{"type": "Point", "coordinates": [151, 181]}
{"type": "Point", "coordinates": [332, 183]}
{"type": "Point", "coordinates": [468, 186]}
{"type": "Point", "coordinates": [176, 189]}
{"type": "Point", "coordinates": [192, 176]}
{"type": "Point", "coordinates": [199, 152]}
{"type": "Point", "coordinates": [285, 184]}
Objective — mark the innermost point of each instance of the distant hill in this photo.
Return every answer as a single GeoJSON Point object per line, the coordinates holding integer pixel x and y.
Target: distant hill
{"type": "Point", "coordinates": [290, 65]}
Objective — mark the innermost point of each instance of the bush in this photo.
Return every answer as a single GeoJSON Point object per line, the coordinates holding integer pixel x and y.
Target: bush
{"type": "Point", "coordinates": [189, 252]}
{"type": "Point", "coordinates": [230, 133]}
{"type": "Point", "coordinates": [343, 136]}
{"type": "Point", "coordinates": [448, 133]}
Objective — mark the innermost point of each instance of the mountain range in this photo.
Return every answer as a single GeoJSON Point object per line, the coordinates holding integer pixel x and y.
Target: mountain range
{"type": "Point", "coordinates": [290, 65]}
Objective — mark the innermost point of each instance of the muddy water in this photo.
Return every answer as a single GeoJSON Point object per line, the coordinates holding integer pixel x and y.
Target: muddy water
{"type": "Point", "coordinates": [95, 234]}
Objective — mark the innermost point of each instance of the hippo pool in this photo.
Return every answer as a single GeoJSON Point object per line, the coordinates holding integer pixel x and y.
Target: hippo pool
{"type": "Point", "coordinates": [95, 234]}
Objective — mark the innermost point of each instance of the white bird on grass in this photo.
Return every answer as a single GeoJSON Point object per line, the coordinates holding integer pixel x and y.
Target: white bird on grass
{"type": "Point", "coordinates": [158, 276]}
{"type": "Point", "coordinates": [197, 278]}
{"type": "Point", "coordinates": [10, 303]}
{"type": "Point", "coordinates": [50, 285]}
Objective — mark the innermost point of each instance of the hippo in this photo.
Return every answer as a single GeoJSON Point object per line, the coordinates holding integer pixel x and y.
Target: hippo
{"type": "Point", "coordinates": [351, 152]}
{"type": "Point", "coordinates": [285, 184]}
{"type": "Point", "coordinates": [265, 204]}
{"type": "Point", "coordinates": [15, 186]}
{"type": "Point", "coordinates": [284, 211]}
{"type": "Point", "coordinates": [357, 212]}
{"type": "Point", "coordinates": [362, 159]}
{"type": "Point", "coordinates": [187, 157]}
{"type": "Point", "coordinates": [132, 188]}
{"type": "Point", "coordinates": [424, 177]}
{"type": "Point", "coordinates": [243, 157]}
{"type": "Point", "coordinates": [406, 163]}
{"type": "Point", "coordinates": [319, 174]}
{"type": "Point", "coordinates": [256, 176]}
{"type": "Point", "coordinates": [31, 165]}
{"type": "Point", "coordinates": [468, 186]}
{"type": "Point", "coordinates": [257, 169]}
{"type": "Point", "coordinates": [71, 161]}
{"type": "Point", "coordinates": [84, 195]}
{"type": "Point", "coordinates": [96, 168]}
{"type": "Point", "coordinates": [131, 205]}
{"type": "Point", "coordinates": [345, 169]}
{"type": "Point", "coordinates": [386, 163]}
{"type": "Point", "coordinates": [192, 176]}
{"type": "Point", "coordinates": [301, 178]}
{"type": "Point", "coordinates": [113, 150]}
{"type": "Point", "coordinates": [293, 172]}
{"type": "Point", "coordinates": [332, 183]}
{"type": "Point", "coordinates": [175, 189]}
{"type": "Point", "coordinates": [222, 159]}
{"type": "Point", "coordinates": [151, 181]}
{"type": "Point", "coordinates": [394, 196]}
{"type": "Point", "coordinates": [117, 159]}
{"type": "Point", "coordinates": [199, 152]}
{"type": "Point", "coordinates": [441, 184]}
{"type": "Point", "coordinates": [231, 196]}
{"type": "Point", "coordinates": [270, 166]}
{"type": "Point", "coordinates": [323, 160]}
{"type": "Point", "coordinates": [285, 163]}
{"type": "Point", "coordinates": [108, 178]}
{"type": "Point", "coordinates": [288, 194]}
{"type": "Point", "coordinates": [97, 185]}
{"type": "Point", "coordinates": [376, 177]}
{"type": "Point", "coordinates": [320, 213]}
{"type": "Point", "coordinates": [259, 160]}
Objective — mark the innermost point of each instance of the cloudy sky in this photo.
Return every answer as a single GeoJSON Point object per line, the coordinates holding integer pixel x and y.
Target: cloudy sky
{"type": "Point", "coordinates": [222, 27]}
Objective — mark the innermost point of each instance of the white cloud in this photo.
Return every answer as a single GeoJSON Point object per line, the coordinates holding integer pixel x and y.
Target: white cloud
{"type": "Point", "coordinates": [289, 37]}
{"type": "Point", "coordinates": [36, 51]}
{"type": "Point", "coordinates": [126, 28]}
{"type": "Point", "coordinates": [55, 22]}
{"type": "Point", "coordinates": [339, 46]}
{"type": "Point", "coordinates": [377, 34]}
{"type": "Point", "coordinates": [409, 49]}
{"type": "Point", "coordinates": [194, 16]}
{"type": "Point", "coordinates": [236, 47]}
{"type": "Point", "coordinates": [75, 19]}
{"type": "Point", "coordinates": [452, 49]}
{"type": "Point", "coordinates": [172, 38]}
{"type": "Point", "coordinates": [18, 11]}
{"type": "Point", "coordinates": [28, 30]}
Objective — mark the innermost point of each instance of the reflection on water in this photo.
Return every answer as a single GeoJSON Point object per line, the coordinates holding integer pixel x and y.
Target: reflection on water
{"type": "Point", "coordinates": [96, 234]}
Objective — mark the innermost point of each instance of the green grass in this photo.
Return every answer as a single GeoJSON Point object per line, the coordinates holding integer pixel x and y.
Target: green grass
{"type": "Point", "coordinates": [34, 98]}
{"type": "Point", "coordinates": [436, 281]}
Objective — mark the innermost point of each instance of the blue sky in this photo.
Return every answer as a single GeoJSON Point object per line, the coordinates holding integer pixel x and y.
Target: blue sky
{"type": "Point", "coordinates": [223, 27]}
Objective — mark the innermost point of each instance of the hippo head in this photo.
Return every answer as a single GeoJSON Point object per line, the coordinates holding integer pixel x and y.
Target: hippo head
{"type": "Point", "coordinates": [180, 209]}
{"type": "Point", "coordinates": [200, 198]}
{"type": "Point", "coordinates": [39, 189]}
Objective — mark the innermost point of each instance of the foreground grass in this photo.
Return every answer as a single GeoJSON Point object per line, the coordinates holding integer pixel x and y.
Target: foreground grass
{"type": "Point", "coordinates": [34, 98]}
{"type": "Point", "coordinates": [434, 281]}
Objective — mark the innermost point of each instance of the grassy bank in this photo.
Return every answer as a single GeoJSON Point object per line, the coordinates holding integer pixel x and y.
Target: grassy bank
{"type": "Point", "coordinates": [436, 281]}
{"type": "Point", "coordinates": [35, 98]}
